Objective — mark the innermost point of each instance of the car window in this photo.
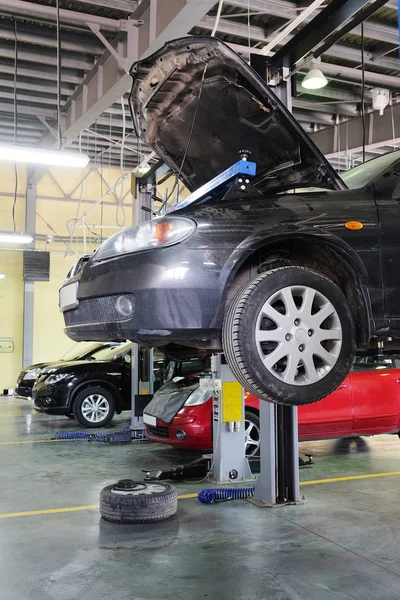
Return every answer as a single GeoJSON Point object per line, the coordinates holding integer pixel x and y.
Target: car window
{"type": "Point", "coordinates": [363, 174]}
{"type": "Point", "coordinates": [373, 363]}
{"type": "Point", "coordinates": [108, 353]}
{"type": "Point", "coordinates": [81, 350]}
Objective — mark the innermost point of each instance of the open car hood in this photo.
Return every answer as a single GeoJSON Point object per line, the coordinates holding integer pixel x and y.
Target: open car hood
{"type": "Point", "coordinates": [196, 103]}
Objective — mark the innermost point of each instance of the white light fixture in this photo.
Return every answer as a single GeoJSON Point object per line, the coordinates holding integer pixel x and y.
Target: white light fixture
{"type": "Point", "coordinates": [39, 156]}
{"type": "Point", "coordinates": [380, 99]}
{"type": "Point", "coordinates": [2, 275]}
{"type": "Point", "coordinates": [15, 238]}
{"type": "Point", "coordinates": [314, 79]}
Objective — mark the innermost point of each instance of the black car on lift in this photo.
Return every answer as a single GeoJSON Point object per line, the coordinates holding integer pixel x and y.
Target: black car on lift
{"type": "Point", "coordinates": [288, 268]}
{"type": "Point", "coordinates": [92, 391]}
{"type": "Point", "coordinates": [29, 375]}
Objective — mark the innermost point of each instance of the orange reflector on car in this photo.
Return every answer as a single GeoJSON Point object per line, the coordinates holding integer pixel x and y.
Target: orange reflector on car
{"type": "Point", "coordinates": [162, 230]}
{"type": "Point", "coordinates": [353, 225]}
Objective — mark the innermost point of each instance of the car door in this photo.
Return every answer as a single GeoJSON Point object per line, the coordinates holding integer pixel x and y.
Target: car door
{"type": "Point", "coordinates": [330, 417]}
{"type": "Point", "coordinates": [375, 385]}
{"type": "Point", "coordinates": [387, 196]}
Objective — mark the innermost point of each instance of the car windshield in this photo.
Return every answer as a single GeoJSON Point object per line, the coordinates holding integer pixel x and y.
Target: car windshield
{"type": "Point", "coordinates": [106, 353]}
{"type": "Point", "coordinates": [363, 174]}
{"type": "Point", "coordinates": [82, 350]}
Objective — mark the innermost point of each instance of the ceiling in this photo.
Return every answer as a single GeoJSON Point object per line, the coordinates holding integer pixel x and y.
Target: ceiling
{"type": "Point", "coordinates": [242, 23]}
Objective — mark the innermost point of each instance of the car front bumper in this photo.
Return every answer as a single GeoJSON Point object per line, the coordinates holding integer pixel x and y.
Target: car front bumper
{"type": "Point", "coordinates": [194, 421]}
{"type": "Point", "coordinates": [23, 390]}
{"type": "Point", "coordinates": [176, 295]}
{"type": "Point", "coordinates": [52, 399]}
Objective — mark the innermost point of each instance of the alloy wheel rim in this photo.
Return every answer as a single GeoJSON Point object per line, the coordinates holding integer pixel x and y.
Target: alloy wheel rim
{"type": "Point", "coordinates": [298, 335]}
{"type": "Point", "coordinates": [252, 438]}
{"type": "Point", "coordinates": [95, 408]}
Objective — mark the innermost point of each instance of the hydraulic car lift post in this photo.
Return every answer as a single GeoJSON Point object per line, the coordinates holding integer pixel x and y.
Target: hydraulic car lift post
{"type": "Point", "coordinates": [142, 358]}
{"type": "Point", "coordinates": [229, 452]}
{"type": "Point", "coordinates": [278, 481]}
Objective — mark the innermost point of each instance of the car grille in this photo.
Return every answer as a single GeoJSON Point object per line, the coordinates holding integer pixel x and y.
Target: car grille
{"type": "Point", "coordinates": [159, 432]}
{"type": "Point", "coordinates": [97, 310]}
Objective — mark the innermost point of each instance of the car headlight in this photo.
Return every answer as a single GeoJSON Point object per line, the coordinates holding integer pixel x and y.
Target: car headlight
{"type": "Point", "coordinates": [164, 231]}
{"type": "Point", "coordinates": [56, 377]}
{"type": "Point", "coordinates": [197, 397]}
{"type": "Point", "coordinates": [32, 374]}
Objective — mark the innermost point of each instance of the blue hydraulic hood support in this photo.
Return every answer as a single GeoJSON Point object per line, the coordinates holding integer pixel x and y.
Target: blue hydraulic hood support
{"type": "Point", "coordinates": [221, 182]}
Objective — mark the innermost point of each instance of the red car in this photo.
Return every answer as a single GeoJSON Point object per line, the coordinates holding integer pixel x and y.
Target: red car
{"type": "Point", "coordinates": [367, 403]}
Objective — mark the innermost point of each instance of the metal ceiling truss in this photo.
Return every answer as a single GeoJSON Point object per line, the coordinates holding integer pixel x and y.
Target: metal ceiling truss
{"type": "Point", "coordinates": [102, 38]}
{"type": "Point", "coordinates": [325, 29]}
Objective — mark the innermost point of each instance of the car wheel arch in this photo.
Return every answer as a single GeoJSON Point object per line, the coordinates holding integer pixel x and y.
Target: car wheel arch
{"type": "Point", "coordinates": [252, 409]}
{"type": "Point", "coordinates": [97, 383]}
{"type": "Point", "coordinates": [279, 251]}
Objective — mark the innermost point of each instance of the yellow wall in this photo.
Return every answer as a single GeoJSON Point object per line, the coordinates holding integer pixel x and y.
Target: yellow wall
{"type": "Point", "coordinates": [11, 315]}
{"type": "Point", "coordinates": [53, 213]}
{"type": "Point", "coordinates": [49, 340]}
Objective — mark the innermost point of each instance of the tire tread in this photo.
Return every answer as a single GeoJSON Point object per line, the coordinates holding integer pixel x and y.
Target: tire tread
{"type": "Point", "coordinates": [231, 337]}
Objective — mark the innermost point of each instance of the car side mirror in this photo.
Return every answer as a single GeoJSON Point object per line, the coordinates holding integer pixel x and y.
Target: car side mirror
{"type": "Point", "coordinates": [127, 358]}
{"type": "Point", "coordinates": [396, 192]}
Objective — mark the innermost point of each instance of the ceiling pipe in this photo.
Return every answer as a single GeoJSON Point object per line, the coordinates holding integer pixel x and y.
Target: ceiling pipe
{"type": "Point", "coordinates": [33, 10]}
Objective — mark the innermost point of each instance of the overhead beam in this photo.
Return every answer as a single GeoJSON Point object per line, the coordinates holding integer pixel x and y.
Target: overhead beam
{"type": "Point", "coordinates": [44, 88]}
{"type": "Point", "coordinates": [30, 98]}
{"type": "Point", "coordinates": [339, 51]}
{"type": "Point", "coordinates": [19, 8]}
{"type": "Point", "coordinates": [28, 110]}
{"type": "Point", "coordinates": [69, 42]}
{"type": "Point", "coordinates": [69, 60]}
{"type": "Point", "coordinates": [383, 33]}
{"type": "Point", "coordinates": [127, 6]}
{"type": "Point", "coordinates": [331, 93]}
{"type": "Point", "coordinates": [106, 82]}
{"type": "Point", "coordinates": [286, 10]}
{"type": "Point", "coordinates": [371, 77]}
{"type": "Point", "coordinates": [379, 129]}
{"type": "Point", "coordinates": [329, 109]}
{"type": "Point", "coordinates": [45, 72]}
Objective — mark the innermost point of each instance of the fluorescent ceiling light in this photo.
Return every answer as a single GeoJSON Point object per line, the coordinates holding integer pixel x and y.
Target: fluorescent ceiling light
{"type": "Point", "coordinates": [314, 80]}
{"type": "Point", "coordinates": [39, 156]}
{"type": "Point", "coordinates": [15, 238]}
{"type": "Point", "coordinates": [2, 275]}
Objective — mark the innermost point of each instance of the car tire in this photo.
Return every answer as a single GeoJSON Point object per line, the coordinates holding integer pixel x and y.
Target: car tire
{"type": "Point", "coordinates": [279, 344]}
{"type": "Point", "coordinates": [252, 434]}
{"type": "Point", "coordinates": [101, 400]}
{"type": "Point", "coordinates": [128, 501]}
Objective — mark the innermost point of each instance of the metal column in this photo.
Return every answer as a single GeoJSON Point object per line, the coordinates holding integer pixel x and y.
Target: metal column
{"type": "Point", "coordinates": [229, 459]}
{"type": "Point", "coordinates": [278, 482]}
{"type": "Point", "coordinates": [29, 286]}
{"type": "Point", "coordinates": [142, 382]}
{"type": "Point", "coordinates": [142, 358]}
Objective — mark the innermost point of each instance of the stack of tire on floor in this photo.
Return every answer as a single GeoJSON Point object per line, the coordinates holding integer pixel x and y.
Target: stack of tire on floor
{"type": "Point", "coordinates": [128, 501]}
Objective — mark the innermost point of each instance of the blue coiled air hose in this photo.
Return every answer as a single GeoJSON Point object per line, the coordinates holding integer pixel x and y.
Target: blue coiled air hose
{"type": "Point", "coordinates": [82, 435]}
{"type": "Point", "coordinates": [216, 495]}
{"type": "Point", "coordinates": [71, 435]}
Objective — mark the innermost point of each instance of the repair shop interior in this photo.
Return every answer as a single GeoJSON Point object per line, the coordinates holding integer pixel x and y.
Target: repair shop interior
{"type": "Point", "coordinates": [199, 299]}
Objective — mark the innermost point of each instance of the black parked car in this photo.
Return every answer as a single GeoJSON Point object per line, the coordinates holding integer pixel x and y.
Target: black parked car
{"type": "Point", "coordinates": [287, 272]}
{"type": "Point", "coordinates": [92, 391]}
{"type": "Point", "coordinates": [28, 376]}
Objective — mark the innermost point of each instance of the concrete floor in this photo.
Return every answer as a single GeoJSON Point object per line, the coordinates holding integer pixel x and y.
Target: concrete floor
{"type": "Point", "coordinates": [344, 543]}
